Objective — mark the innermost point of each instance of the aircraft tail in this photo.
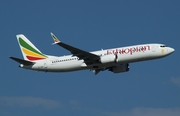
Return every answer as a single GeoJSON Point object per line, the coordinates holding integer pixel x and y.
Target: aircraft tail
{"type": "Point", "coordinates": [29, 51]}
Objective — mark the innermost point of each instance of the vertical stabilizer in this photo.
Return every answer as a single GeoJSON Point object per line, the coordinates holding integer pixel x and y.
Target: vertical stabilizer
{"type": "Point", "coordinates": [29, 51]}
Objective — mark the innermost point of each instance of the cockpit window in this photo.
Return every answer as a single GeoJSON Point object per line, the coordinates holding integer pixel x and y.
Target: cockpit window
{"type": "Point", "coordinates": [163, 46]}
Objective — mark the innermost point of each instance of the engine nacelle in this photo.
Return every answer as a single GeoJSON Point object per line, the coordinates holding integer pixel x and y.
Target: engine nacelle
{"type": "Point", "coordinates": [109, 58]}
{"type": "Point", "coordinates": [120, 68]}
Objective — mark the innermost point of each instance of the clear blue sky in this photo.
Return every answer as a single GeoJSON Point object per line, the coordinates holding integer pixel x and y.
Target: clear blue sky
{"type": "Point", "coordinates": [150, 88]}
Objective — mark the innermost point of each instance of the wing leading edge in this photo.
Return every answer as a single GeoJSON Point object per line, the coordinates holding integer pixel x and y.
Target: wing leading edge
{"type": "Point", "coordinates": [81, 54]}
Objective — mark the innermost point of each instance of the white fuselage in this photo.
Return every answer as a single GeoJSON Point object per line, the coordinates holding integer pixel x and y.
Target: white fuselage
{"type": "Point", "coordinates": [127, 54]}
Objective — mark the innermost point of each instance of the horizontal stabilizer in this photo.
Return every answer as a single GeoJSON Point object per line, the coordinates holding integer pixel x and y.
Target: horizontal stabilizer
{"type": "Point", "coordinates": [21, 61]}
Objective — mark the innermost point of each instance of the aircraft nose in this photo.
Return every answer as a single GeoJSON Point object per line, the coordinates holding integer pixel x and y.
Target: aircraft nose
{"type": "Point", "coordinates": [171, 50]}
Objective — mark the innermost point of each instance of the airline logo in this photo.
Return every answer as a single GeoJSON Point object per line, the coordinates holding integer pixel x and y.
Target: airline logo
{"type": "Point", "coordinates": [162, 51]}
{"type": "Point", "coordinates": [30, 52]}
{"type": "Point", "coordinates": [55, 39]}
{"type": "Point", "coordinates": [129, 50]}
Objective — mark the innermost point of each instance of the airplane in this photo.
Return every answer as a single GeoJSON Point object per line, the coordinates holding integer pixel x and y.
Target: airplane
{"type": "Point", "coordinates": [115, 60]}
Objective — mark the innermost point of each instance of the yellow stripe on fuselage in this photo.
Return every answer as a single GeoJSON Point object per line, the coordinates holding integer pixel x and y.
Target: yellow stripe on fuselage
{"type": "Point", "coordinates": [29, 53]}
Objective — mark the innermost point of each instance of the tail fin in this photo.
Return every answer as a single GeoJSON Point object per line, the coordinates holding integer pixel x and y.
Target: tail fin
{"type": "Point", "coordinates": [29, 51]}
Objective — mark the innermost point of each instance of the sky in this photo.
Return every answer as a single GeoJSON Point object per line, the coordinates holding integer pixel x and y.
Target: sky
{"type": "Point", "coordinates": [150, 88]}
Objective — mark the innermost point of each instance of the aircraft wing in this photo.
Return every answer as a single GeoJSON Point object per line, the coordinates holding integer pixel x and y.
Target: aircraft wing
{"type": "Point", "coordinates": [81, 54]}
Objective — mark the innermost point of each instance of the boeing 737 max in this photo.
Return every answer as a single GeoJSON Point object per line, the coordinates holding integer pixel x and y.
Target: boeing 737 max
{"type": "Point", "coordinates": [115, 59]}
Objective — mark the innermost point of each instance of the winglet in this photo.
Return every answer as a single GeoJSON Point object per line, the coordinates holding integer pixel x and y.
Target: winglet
{"type": "Point", "coordinates": [55, 38]}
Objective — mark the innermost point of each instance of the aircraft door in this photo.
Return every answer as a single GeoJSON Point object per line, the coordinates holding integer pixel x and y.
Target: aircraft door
{"type": "Point", "coordinates": [45, 64]}
{"type": "Point", "coordinates": [153, 48]}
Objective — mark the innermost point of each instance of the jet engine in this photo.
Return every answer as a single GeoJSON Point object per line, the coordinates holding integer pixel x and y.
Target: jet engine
{"type": "Point", "coordinates": [120, 68]}
{"type": "Point", "coordinates": [109, 58]}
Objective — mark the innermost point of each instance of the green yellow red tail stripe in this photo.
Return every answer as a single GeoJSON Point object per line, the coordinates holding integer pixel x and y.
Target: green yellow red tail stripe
{"type": "Point", "coordinates": [29, 50]}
